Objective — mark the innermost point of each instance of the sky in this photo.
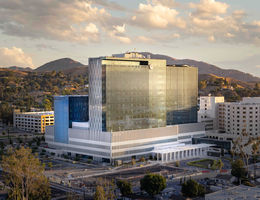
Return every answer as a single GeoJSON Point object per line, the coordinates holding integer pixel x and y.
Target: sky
{"type": "Point", "coordinates": [221, 32]}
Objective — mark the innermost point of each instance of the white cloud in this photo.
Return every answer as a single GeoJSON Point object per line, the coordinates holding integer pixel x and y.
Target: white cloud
{"type": "Point", "coordinates": [118, 33]}
{"type": "Point", "coordinates": [211, 38]}
{"type": "Point", "coordinates": [91, 28]}
{"type": "Point", "coordinates": [119, 29]}
{"type": "Point", "coordinates": [210, 17]}
{"type": "Point", "coordinates": [209, 7]}
{"type": "Point", "coordinates": [176, 35]}
{"type": "Point", "coordinates": [84, 21]}
{"type": "Point", "coordinates": [14, 57]}
{"type": "Point", "coordinates": [75, 20]}
{"type": "Point", "coordinates": [145, 39]}
{"type": "Point", "coordinates": [157, 15]}
{"type": "Point", "coordinates": [168, 3]}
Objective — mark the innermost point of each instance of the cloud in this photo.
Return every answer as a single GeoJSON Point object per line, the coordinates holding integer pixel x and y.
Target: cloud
{"type": "Point", "coordinates": [118, 33]}
{"type": "Point", "coordinates": [84, 21]}
{"type": "Point", "coordinates": [168, 3]}
{"type": "Point", "coordinates": [207, 8]}
{"type": "Point", "coordinates": [14, 57]}
{"type": "Point", "coordinates": [45, 46]}
{"type": "Point", "coordinates": [210, 18]}
{"type": "Point", "coordinates": [157, 15]}
{"type": "Point", "coordinates": [211, 38]}
{"type": "Point", "coordinates": [109, 5]}
{"type": "Point", "coordinates": [68, 20]}
{"type": "Point", "coordinates": [145, 39]}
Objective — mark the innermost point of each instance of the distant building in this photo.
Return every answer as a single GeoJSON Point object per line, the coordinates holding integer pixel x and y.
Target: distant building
{"type": "Point", "coordinates": [137, 107]}
{"type": "Point", "coordinates": [35, 122]}
{"type": "Point", "coordinates": [238, 117]}
{"type": "Point", "coordinates": [208, 111]}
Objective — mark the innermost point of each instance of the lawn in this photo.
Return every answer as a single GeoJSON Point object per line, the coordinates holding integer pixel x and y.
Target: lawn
{"type": "Point", "coordinates": [204, 163]}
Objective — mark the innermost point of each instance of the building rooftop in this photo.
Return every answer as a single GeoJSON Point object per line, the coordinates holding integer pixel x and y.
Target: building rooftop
{"type": "Point", "coordinates": [235, 193]}
{"type": "Point", "coordinates": [71, 95]}
{"type": "Point", "coordinates": [179, 147]}
{"type": "Point", "coordinates": [36, 113]}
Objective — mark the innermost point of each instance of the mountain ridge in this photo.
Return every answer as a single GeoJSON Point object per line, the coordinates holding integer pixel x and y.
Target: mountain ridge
{"type": "Point", "coordinates": [205, 68]}
{"type": "Point", "coordinates": [61, 64]}
{"type": "Point", "coordinates": [68, 65]}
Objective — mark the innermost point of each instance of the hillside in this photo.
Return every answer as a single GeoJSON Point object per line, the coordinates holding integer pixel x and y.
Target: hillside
{"type": "Point", "coordinates": [205, 68]}
{"type": "Point", "coordinates": [62, 64]}
{"type": "Point", "coordinates": [69, 66]}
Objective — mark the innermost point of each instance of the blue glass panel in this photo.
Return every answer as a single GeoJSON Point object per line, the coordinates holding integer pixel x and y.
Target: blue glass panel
{"type": "Point", "coordinates": [61, 113]}
{"type": "Point", "coordinates": [78, 109]}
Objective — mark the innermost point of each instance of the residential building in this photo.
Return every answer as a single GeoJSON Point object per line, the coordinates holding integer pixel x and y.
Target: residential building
{"type": "Point", "coordinates": [208, 111]}
{"type": "Point", "coordinates": [238, 117]}
{"type": "Point", "coordinates": [35, 122]}
{"type": "Point", "coordinates": [135, 105]}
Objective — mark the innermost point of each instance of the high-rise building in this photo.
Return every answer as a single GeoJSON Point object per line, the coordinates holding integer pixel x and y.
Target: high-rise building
{"type": "Point", "coordinates": [135, 104]}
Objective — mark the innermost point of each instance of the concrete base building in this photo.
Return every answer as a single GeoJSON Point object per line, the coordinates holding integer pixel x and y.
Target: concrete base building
{"type": "Point", "coordinates": [134, 106]}
{"type": "Point", "coordinates": [35, 122]}
{"type": "Point", "coordinates": [125, 145]}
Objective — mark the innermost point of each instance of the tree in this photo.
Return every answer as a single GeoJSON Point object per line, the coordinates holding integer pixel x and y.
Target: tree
{"type": "Point", "coordinates": [238, 169]}
{"type": "Point", "coordinates": [24, 175]}
{"type": "Point", "coordinates": [192, 188]}
{"type": "Point", "coordinates": [125, 187]}
{"type": "Point", "coordinates": [108, 187]}
{"type": "Point", "coordinates": [100, 193]}
{"type": "Point", "coordinates": [243, 144]}
{"type": "Point", "coordinates": [219, 165]}
{"type": "Point", "coordinates": [142, 159]}
{"type": "Point", "coordinates": [255, 153]}
{"type": "Point", "coordinates": [202, 84]}
{"type": "Point", "coordinates": [133, 162]}
{"type": "Point", "coordinates": [47, 104]}
{"type": "Point", "coordinates": [153, 184]}
{"type": "Point", "coordinates": [50, 165]}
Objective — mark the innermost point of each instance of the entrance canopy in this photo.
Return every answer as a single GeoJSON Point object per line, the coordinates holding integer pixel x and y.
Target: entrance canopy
{"type": "Point", "coordinates": [180, 151]}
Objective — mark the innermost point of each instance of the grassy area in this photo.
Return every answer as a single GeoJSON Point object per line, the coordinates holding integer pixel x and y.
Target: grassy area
{"type": "Point", "coordinates": [204, 163]}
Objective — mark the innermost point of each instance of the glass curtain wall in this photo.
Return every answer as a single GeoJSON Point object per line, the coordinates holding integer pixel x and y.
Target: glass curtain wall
{"type": "Point", "coordinates": [133, 96]}
{"type": "Point", "coordinates": [78, 109]}
{"type": "Point", "coordinates": [182, 92]}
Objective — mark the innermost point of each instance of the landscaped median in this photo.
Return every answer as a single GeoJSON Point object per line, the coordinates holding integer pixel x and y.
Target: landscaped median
{"type": "Point", "coordinates": [205, 163]}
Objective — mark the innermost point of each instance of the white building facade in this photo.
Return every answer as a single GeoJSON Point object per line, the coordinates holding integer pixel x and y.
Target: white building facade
{"type": "Point", "coordinates": [208, 111]}
{"type": "Point", "coordinates": [238, 117]}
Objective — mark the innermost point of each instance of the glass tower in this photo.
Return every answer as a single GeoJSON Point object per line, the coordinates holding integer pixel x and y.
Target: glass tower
{"type": "Point", "coordinates": [135, 93]}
